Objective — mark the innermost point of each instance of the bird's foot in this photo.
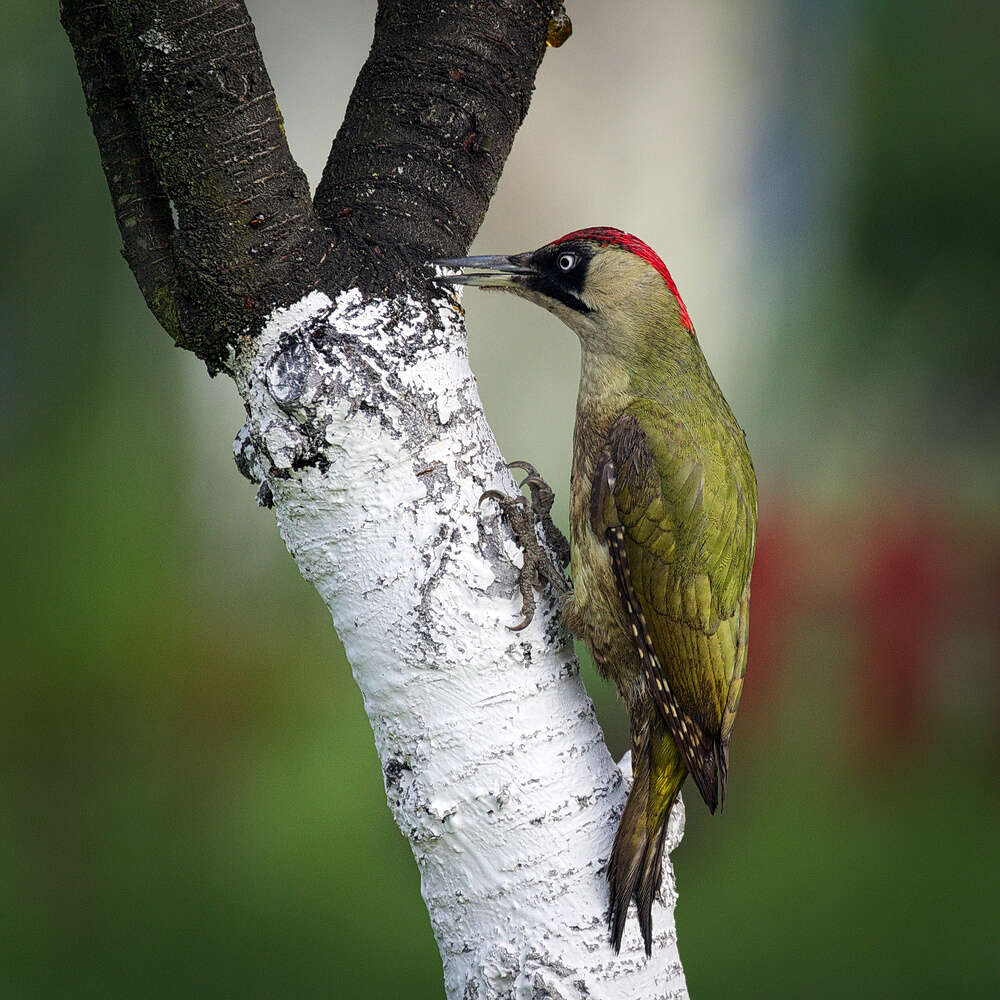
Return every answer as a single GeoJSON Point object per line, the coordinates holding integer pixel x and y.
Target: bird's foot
{"type": "Point", "coordinates": [542, 498]}
{"type": "Point", "coordinates": [522, 516]}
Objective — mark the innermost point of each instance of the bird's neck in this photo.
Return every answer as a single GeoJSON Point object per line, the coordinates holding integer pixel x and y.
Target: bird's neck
{"type": "Point", "coordinates": [670, 371]}
{"type": "Point", "coordinates": [605, 382]}
{"type": "Point", "coordinates": [605, 391]}
{"type": "Point", "coordinates": [641, 350]}
{"type": "Point", "coordinates": [658, 367]}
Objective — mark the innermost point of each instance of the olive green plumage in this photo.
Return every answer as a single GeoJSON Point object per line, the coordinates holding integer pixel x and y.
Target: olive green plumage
{"type": "Point", "coordinates": [678, 509]}
{"type": "Point", "coordinates": [663, 513]}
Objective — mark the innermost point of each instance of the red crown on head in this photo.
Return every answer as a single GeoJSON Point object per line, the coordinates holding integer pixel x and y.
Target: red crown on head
{"type": "Point", "coordinates": [605, 234]}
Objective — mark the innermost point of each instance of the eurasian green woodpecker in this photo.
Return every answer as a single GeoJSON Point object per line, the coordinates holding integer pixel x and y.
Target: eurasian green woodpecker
{"type": "Point", "coordinates": [663, 523]}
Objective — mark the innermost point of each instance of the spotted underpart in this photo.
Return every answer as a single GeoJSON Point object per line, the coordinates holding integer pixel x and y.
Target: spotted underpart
{"type": "Point", "coordinates": [618, 237]}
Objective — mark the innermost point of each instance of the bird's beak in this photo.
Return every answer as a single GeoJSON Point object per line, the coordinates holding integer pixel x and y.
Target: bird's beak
{"type": "Point", "coordinates": [495, 271]}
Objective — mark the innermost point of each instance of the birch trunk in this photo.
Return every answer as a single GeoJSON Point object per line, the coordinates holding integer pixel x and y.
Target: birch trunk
{"type": "Point", "coordinates": [366, 431]}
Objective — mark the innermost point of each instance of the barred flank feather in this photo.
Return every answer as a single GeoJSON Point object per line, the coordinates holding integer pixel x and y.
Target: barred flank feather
{"type": "Point", "coordinates": [701, 754]}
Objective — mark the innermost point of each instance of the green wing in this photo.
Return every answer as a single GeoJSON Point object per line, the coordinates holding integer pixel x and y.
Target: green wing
{"type": "Point", "coordinates": [678, 506]}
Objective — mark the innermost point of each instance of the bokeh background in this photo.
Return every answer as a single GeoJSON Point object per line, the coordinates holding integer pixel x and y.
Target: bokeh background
{"type": "Point", "coordinates": [190, 801]}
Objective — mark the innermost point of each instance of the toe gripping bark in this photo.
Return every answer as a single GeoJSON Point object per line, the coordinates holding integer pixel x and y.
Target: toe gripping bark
{"type": "Point", "coordinates": [524, 518]}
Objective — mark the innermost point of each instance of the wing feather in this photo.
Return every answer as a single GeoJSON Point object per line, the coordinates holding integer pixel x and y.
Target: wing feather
{"type": "Point", "coordinates": [679, 516]}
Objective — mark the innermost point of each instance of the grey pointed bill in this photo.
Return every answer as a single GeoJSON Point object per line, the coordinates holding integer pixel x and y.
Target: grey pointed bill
{"type": "Point", "coordinates": [491, 271]}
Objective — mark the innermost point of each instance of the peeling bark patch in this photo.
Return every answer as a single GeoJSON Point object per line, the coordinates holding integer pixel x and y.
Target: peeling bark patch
{"type": "Point", "coordinates": [265, 498]}
{"type": "Point", "coordinates": [245, 453]}
{"type": "Point", "coordinates": [394, 772]}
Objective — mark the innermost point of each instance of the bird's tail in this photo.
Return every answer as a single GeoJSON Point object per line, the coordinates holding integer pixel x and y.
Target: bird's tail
{"type": "Point", "coordinates": [635, 868]}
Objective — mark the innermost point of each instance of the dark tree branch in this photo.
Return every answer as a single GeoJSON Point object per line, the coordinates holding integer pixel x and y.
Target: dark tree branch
{"type": "Point", "coordinates": [431, 121]}
{"type": "Point", "coordinates": [194, 120]}
{"type": "Point", "coordinates": [141, 207]}
{"type": "Point", "coordinates": [189, 129]}
{"type": "Point", "coordinates": [213, 128]}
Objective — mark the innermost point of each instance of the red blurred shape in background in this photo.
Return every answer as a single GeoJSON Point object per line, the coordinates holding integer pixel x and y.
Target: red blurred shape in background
{"type": "Point", "coordinates": [900, 604]}
{"type": "Point", "coordinates": [775, 605]}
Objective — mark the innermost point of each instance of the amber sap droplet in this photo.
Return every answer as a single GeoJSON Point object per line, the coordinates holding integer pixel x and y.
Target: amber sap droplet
{"type": "Point", "coordinates": [559, 29]}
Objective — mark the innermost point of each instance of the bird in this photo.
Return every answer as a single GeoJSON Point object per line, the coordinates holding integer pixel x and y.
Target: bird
{"type": "Point", "coordinates": [663, 526]}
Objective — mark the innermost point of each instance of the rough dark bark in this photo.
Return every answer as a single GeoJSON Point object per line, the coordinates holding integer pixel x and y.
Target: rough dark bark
{"type": "Point", "coordinates": [141, 206]}
{"type": "Point", "coordinates": [186, 119]}
{"type": "Point", "coordinates": [429, 125]}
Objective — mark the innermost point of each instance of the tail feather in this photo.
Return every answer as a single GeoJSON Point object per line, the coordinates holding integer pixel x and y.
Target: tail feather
{"type": "Point", "coordinates": [649, 883]}
{"type": "Point", "coordinates": [635, 868]}
{"type": "Point", "coordinates": [722, 755]}
{"type": "Point", "coordinates": [703, 757]}
{"type": "Point", "coordinates": [628, 850]}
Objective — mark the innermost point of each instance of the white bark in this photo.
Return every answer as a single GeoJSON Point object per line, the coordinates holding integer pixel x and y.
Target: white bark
{"type": "Point", "coordinates": [366, 426]}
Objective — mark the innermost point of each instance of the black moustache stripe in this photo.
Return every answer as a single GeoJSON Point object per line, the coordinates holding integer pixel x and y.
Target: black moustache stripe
{"type": "Point", "coordinates": [547, 287]}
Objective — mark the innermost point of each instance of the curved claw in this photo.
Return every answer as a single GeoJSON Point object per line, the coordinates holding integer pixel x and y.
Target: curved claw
{"type": "Point", "coordinates": [523, 624]}
{"type": "Point", "coordinates": [523, 466]}
{"type": "Point", "coordinates": [503, 499]}
{"type": "Point", "coordinates": [505, 502]}
{"type": "Point", "coordinates": [534, 482]}
{"type": "Point", "coordinates": [527, 607]}
{"type": "Point", "coordinates": [542, 497]}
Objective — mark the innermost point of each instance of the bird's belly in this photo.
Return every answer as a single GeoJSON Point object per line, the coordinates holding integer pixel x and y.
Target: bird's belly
{"type": "Point", "coordinates": [596, 614]}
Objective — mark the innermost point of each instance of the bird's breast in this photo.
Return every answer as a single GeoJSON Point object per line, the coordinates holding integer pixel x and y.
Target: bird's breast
{"type": "Point", "coordinates": [597, 613]}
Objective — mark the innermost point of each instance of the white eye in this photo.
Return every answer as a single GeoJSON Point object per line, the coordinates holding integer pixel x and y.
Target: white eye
{"type": "Point", "coordinates": [566, 261]}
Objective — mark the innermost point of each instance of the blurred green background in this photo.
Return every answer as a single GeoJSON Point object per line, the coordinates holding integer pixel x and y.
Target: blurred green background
{"type": "Point", "coordinates": [190, 801]}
